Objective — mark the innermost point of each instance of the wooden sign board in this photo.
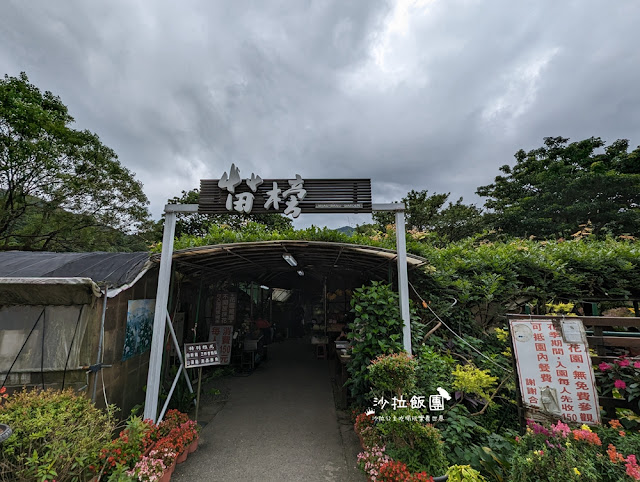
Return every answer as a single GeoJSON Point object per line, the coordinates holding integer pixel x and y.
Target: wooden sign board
{"type": "Point", "coordinates": [233, 194]}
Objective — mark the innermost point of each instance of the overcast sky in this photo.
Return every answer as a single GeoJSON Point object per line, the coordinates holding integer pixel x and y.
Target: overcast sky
{"type": "Point", "coordinates": [418, 95]}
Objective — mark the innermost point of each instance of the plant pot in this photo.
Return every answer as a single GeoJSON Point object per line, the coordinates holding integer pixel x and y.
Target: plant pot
{"type": "Point", "coordinates": [149, 449]}
{"type": "Point", "coordinates": [182, 457]}
{"type": "Point", "coordinates": [193, 446]}
{"type": "Point", "coordinates": [172, 467]}
{"type": "Point", "coordinates": [166, 477]}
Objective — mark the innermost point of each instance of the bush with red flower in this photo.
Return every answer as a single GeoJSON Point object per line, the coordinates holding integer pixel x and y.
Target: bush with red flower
{"type": "Point", "coordinates": [172, 419]}
{"type": "Point", "coordinates": [126, 450]}
{"type": "Point", "coordinates": [400, 448]}
{"type": "Point", "coordinates": [620, 378]}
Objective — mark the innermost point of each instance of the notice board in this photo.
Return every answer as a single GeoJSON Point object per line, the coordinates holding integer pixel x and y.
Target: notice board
{"type": "Point", "coordinates": [225, 308]}
{"type": "Point", "coordinates": [222, 336]}
{"type": "Point", "coordinates": [555, 375]}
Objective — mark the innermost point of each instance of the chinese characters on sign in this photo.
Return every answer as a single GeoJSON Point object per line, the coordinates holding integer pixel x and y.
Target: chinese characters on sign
{"type": "Point", "coordinates": [409, 418]}
{"type": "Point", "coordinates": [293, 196]}
{"type": "Point", "coordinates": [436, 403]}
{"type": "Point", "coordinates": [225, 309]}
{"type": "Point", "coordinates": [242, 202]}
{"type": "Point", "coordinates": [200, 355]}
{"type": "Point", "coordinates": [416, 402]}
{"type": "Point", "coordinates": [554, 371]}
{"type": "Point", "coordinates": [221, 336]}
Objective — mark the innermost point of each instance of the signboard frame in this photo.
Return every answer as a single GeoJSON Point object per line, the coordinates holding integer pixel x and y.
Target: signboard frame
{"type": "Point", "coordinates": [553, 369]}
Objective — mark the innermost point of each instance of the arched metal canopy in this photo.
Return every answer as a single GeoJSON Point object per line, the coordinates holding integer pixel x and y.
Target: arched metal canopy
{"type": "Point", "coordinates": [263, 261]}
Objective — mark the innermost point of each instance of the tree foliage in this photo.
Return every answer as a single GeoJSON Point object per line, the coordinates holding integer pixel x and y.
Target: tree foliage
{"type": "Point", "coordinates": [60, 188]}
{"type": "Point", "coordinates": [553, 190]}
{"type": "Point", "coordinates": [199, 225]}
{"type": "Point", "coordinates": [428, 213]}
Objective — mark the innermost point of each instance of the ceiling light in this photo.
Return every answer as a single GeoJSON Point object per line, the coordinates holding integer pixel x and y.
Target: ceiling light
{"type": "Point", "coordinates": [300, 272]}
{"type": "Point", "coordinates": [264, 287]}
{"type": "Point", "coordinates": [290, 259]}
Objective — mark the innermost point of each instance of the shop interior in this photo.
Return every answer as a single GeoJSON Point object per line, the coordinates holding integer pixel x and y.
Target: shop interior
{"type": "Point", "coordinates": [248, 296]}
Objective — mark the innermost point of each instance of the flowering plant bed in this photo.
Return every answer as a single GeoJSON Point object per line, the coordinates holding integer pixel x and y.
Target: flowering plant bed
{"type": "Point", "coordinates": [560, 453]}
{"type": "Point", "coordinates": [376, 458]}
{"type": "Point", "coordinates": [147, 452]}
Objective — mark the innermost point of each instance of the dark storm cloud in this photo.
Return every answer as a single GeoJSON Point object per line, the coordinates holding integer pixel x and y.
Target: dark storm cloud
{"type": "Point", "coordinates": [416, 95]}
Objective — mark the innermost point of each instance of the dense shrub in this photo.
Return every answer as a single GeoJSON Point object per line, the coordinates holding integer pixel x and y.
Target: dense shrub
{"type": "Point", "coordinates": [376, 330]}
{"type": "Point", "coordinates": [393, 374]}
{"type": "Point", "coordinates": [56, 435]}
{"type": "Point", "coordinates": [415, 443]}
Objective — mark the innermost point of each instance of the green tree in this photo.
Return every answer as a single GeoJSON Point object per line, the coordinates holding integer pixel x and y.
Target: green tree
{"type": "Point", "coordinates": [426, 212]}
{"type": "Point", "coordinates": [554, 189]}
{"type": "Point", "coordinates": [195, 224]}
{"type": "Point", "coordinates": [60, 188]}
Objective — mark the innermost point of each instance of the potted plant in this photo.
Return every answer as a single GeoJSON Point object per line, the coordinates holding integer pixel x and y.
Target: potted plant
{"type": "Point", "coordinates": [166, 451]}
{"type": "Point", "coordinates": [149, 469]}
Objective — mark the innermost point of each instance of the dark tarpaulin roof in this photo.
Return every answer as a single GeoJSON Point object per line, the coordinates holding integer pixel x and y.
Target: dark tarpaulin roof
{"type": "Point", "coordinates": [113, 269]}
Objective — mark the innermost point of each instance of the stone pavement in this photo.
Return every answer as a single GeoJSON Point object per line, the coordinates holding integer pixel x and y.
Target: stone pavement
{"type": "Point", "coordinates": [278, 424]}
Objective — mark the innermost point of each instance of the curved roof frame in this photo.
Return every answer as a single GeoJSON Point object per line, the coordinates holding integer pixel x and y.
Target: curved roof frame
{"type": "Point", "coordinates": [263, 261]}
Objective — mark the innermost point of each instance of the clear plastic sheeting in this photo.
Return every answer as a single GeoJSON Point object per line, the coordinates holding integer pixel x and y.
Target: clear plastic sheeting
{"type": "Point", "coordinates": [47, 291]}
{"type": "Point", "coordinates": [58, 323]}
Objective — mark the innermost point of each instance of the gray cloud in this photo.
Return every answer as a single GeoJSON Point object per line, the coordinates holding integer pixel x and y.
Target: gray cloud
{"type": "Point", "coordinates": [416, 95]}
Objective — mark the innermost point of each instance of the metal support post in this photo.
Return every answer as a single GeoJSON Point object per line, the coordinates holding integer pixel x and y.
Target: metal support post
{"type": "Point", "coordinates": [159, 319]}
{"type": "Point", "coordinates": [178, 352]}
{"type": "Point", "coordinates": [403, 280]}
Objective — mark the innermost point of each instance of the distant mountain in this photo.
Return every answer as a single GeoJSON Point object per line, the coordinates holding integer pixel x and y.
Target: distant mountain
{"type": "Point", "coordinates": [348, 230]}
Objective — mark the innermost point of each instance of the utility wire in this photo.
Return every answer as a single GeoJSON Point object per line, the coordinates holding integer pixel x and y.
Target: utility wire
{"type": "Point", "coordinates": [455, 334]}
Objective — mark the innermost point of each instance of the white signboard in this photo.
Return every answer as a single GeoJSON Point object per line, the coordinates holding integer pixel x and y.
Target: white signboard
{"type": "Point", "coordinates": [222, 335]}
{"type": "Point", "coordinates": [554, 370]}
{"type": "Point", "coordinates": [200, 355]}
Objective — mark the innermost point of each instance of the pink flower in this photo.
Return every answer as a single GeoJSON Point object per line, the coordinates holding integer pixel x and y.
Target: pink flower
{"type": "Point", "coordinates": [633, 470]}
{"type": "Point", "coordinates": [604, 366]}
{"type": "Point", "coordinates": [623, 363]}
{"type": "Point", "coordinates": [636, 364]}
{"type": "Point", "coordinates": [620, 384]}
{"type": "Point", "coordinates": [561, 428]}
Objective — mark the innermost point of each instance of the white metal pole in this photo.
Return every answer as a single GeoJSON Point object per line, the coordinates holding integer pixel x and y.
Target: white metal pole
{"type": "Point", "coordinates": [159, 319]}
{"type": "Point", "coordinates": [403, 279]}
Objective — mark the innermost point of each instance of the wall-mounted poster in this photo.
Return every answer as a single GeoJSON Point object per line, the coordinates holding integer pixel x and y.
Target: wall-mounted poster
{"type": "Point", "coordinates": [137, 337]}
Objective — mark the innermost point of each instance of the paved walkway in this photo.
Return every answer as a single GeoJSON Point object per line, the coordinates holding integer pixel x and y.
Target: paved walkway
{"type": "Point", "coordinates": [279, 424]}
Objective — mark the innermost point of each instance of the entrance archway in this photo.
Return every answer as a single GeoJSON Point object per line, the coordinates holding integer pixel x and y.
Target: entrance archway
{"type": "Point", "coordinates": [341, 195]}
